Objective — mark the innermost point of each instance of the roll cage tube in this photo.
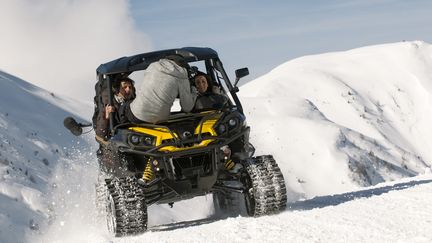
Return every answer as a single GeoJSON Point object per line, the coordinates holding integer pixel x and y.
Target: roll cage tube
{"type": "Point", "coordinates": [110, 102]}
{"type": "Point", "coordinates": [219, 66]}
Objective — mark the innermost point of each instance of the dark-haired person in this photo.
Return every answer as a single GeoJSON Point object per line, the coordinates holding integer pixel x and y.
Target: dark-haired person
{"type": "Point", "coordinates": [201, 83]}
{"type": "Point", "coordinates": [209, 95]}
{"type": "Point", "coordinates": [124, 91]}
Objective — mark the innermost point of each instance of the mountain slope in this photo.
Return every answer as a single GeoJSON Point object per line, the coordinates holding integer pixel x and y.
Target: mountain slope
{"type": "Point", "coordinates": [341, 120]}
{"type": "Point", "coordinates": [32, 141]}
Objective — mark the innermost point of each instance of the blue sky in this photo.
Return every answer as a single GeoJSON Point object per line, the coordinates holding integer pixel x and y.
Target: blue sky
{"type": "Point", "coordinates": [264, 34]}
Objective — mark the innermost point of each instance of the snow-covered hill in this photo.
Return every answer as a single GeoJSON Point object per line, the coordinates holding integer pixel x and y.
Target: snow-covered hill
{"type": "Point", "coordinates": [336, 123]}
{"type": "Point", "coordinates": [32, 142]}
{"type": "Point", "coordinates": [341, 120]}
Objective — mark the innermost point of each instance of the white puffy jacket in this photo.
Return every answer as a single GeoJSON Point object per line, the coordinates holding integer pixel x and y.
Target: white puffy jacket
{"type": "Point", "coordinates": [163, 82]}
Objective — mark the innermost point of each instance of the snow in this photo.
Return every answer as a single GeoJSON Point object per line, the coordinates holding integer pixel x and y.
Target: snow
{"type": "Point", "coordinates": [33, 142]}
{"type": "Point", "coordinates": [378, 214]}
{"type": "Point", "coordinates": [362, 114]}
{"type": "Point", "coordinates": [349, 130]}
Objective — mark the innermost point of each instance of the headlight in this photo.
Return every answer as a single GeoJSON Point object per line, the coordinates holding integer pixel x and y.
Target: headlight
{"type": "Point", "coordinates": [232, 122]}
{"type": "Point", "coordinates": [142, 140]}
{"type": "Point", "coordinates": [148, 141]}
{"type": "Point", "coordinates": [135, 139]}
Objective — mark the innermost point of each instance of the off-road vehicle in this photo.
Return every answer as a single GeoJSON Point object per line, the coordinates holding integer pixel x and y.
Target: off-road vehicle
{"type": "Point", "coordinates": [188, 155]}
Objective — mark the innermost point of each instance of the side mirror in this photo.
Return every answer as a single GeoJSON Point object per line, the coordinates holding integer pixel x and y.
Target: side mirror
{"type": "Point", "coordinates": [73, 126]}
{"type": "Point", "coordinates": [240, 73]}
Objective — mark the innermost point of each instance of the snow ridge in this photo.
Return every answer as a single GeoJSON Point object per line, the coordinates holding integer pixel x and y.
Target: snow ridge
{"type": "Point", "coordinates": [359, 117]}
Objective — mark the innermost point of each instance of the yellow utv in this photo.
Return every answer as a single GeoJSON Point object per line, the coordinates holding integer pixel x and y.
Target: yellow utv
{"type": "Point", "coordinates": [206, 151]}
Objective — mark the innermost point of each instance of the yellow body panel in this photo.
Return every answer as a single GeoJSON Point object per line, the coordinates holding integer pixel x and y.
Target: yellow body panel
{"type": "Point", "coordinates": [162, 134]}
{"type": "Point", "coordinates": [203, 143]}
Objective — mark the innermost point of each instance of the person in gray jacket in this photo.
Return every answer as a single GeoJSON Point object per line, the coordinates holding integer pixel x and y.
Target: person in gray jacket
{"type": "Point", "coordinates": [163, 82]}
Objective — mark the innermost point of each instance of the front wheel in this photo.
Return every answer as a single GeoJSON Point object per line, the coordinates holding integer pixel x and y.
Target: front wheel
{"type": "Point", "coordinates": [126, 207]}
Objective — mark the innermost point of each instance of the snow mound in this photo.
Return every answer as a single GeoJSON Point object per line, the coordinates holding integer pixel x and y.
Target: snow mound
{"type": "Point", "coordinates": [341, 120]}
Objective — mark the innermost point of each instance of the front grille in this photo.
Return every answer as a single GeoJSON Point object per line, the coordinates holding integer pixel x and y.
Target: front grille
{"type": "Point", "coordinates": [192, 166]}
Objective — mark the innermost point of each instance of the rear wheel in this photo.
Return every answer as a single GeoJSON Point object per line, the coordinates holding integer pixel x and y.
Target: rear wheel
{"type": "Point", "coordinates": [265, 186]}
{"type": "Point", "coordinates": [277, 179]}
{"type": "Point", "coordinates": [126, 207]}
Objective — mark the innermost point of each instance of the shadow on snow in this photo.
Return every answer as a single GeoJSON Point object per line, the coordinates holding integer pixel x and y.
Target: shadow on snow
{"type": "Point", "coordinates": [333, 200]}
{"type": "Point", "coordinates": [185, 224]}
{"type": "Point", "coordinates": [317, 202]}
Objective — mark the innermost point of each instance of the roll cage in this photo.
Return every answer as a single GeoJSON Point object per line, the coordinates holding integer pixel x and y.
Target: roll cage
{"type": "Point", "coordinates": [124, 66]}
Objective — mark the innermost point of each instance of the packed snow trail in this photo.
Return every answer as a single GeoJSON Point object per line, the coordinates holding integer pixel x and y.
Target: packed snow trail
{"type": "Point", "coordinates": [399, 211]}
{"type": "Point", "coordinates": [391, 212]}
